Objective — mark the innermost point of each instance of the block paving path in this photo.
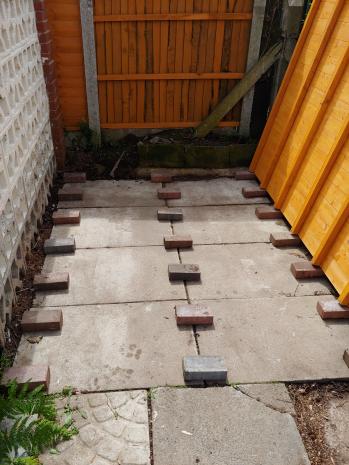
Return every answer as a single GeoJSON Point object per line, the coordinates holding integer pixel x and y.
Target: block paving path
{"type": "Point", "coordinates": [121, 349]}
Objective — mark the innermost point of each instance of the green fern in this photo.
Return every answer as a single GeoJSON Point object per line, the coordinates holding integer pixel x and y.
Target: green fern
{"type": "Point", "coordinates": [31, 425]}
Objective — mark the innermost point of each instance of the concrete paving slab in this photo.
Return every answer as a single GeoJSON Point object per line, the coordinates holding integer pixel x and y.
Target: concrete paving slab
{"type": "Point", "coordinates": [116, 194]}
{"type": "Point", "coordinates": [279, 339]}
{"type": "Point", "coordinates": [106, 347]}
{"type": "Point", "coordinates": [113, 430]}
{"type": "Point", "coordinates": [337, 428]}
{"type": "Point", "coordinates": [222, 191]}
{"type": "Point", "coordinates": [221, 426]}
{"type": "Point", "coordinates": [227, 225]}
{"type": "Point", "coordinates": [97, 276]}
{"type": "Point", "coordinates": [248, 270]}
{"type": "Point", "coordinates": [273, 395]}
{"type": "Point", "coordinates": [115, 227]}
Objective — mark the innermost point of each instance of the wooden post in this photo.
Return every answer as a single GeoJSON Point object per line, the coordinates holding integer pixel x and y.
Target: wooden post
{"type": "Point", "coordinates": [239, 91]}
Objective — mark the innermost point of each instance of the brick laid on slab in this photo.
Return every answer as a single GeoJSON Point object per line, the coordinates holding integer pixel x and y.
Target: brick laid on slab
{"type": "Point", "coordinates": [74, 177]}
{"type": "Point", "coordinates": [42, 320]}
{"type": "Point", "coordinates": [160, 176]}
{"type": "Point", "coordinates": [57, 246]}
{"type": "Point", "coordinates": [66, 217]}
{"type": "Point", "coordinates": [284, 239]}
{"type": "Point", "coordinates": [34, 375]}
{"type": "Point", "coordinates": [178, 242]}
{"type": "Point", "coordinates": [169, 194]}
{"type": "Point", "coordinates": [180, 272]}
{"type": "Point", "coordinates": [245, 175]}
{"type": "Point", "coordinates": [51, 281]}
{"type": "Point", "coordinates": [70, 194]}
{"type": "Point", "coordinates": [346, 357]}
{"type": "Point", "coordinates": [331, 309]}
{"type": "Point", "coordinates": [306, 270]}
{"type": "Point", "coordinates": [193, 315]}
{"type": "Point", "coordinates": [252, 192]}
{"type": "Point", "coordinates": [204, 369]}
{"type": "Point", "coordinates": [267, 212]}
{"type": "Point", "coordinates": [170, 214]}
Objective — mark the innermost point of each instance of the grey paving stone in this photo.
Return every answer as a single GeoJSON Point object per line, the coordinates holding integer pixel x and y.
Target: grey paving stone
{"type": "Point", "coordinates": [116, 194]}
{"type": "Point", "coordinates": [222, 191]}
{"type": "Point", "coordinates": [221, 426]}
{"type": "Point", "coordinates": [59, 246]}
{"type": "Point", "coordinates": [248, 270]}
{"type": "Point", "coordinates": [97, 276]}
{"type": "Point", "coordinates": [110, 440]}
{"type": "Point", "coordinates": [274, 395]}
{"type": "Point", "coordinates": [115, 227]}
{"type": "Point", "coordinates": [227, 225]}
{"type": "Point", "coordinates": [200, 369]}
{"type": "Point", "coordinates": [337, 428]}
{"type": "Point", "coordinates": [106, 347]}
{"type": "Point", "coordinates": [275, 339]}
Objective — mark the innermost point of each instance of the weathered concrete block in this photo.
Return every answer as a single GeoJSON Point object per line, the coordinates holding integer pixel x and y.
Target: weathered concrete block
{"type": "Point", "coordinates": [178, 242]}
{"type": "Point", "coordinates": [51, 281]}
{"type": "Point", "coordinates": [346, 357]}
{"type": "Point", "coordinates": [74, 177]}
{"type": "Point", "coordinates": [245, 175]}
{"type": "Point", "coordinates": [33, 375]}
{"type": "Point", "coordinates": [42, 320]}
{"type": "Point", "coordinates": [160, 176]}
{"type": "Point", "coordinates": [66, 217]}
{"type": "Point", "coordinates": [170, 214]}
{"type": "Point", "coordinates": [266, 212]}
{"type": "Point", "coordinates": [56, 246]}
{"type": "Point", "coordinates": [200, 370]}
{"type": "Point", "coordinates": [284, 239]}
{"type": "Point", "coordinates": [169, 194]}
{"type": "Point", "coordinates": [252, 192]}
{"type": "Point", "coordinates": [193, 315]}
{"type": "Point", "coordinates": [70, 194]}
{"type": "Point", "coordinates": [179, 272]}
{"type": "Point", "coordinates": [304, 270]}
{"type": "Point", "coordinates": [331, 309]}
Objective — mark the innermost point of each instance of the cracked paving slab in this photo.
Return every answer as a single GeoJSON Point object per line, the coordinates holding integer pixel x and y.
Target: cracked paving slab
{"type": "Point", "coordinates": [248, 270]}
{"type": "Point", "coordinates": [113, 430]}
{"type": "Point", "coordinates": [227, 224]}
{"type": "Point", "coordinates": [115, 227]}
{"type": "Point", "coordinates": [278, 339]}
{"type": "Point", "coordinates": [115, 194]}
{"type": "Point", "coordinates": [103, 276]}
{"type": "Point", "coordinates": [337, 428]}
{"type": "Point", "coordinates": [109, 347]}
{"type": "Point", "coordinates": [222, 191]}
{"type": "Point", "coordinates": [220, 426]}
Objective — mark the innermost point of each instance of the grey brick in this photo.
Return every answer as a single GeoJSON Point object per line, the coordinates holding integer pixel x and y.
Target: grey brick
{"type": "Point", "coordinates": [56, 246]}
{"type": "Point", "coordinates": [200, 369]}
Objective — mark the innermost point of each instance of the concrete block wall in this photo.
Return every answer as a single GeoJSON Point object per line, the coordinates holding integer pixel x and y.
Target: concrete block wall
{"type": "Point", "coordinates": [26, 149]}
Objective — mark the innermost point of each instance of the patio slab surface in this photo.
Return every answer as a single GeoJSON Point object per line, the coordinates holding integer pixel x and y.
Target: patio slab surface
{"type": "Point", "coordinates": [109, 347]}
{"type": "Point", "coordinates": [221, 426]}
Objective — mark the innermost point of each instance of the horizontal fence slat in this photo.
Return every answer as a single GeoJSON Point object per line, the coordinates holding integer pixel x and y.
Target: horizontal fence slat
{"type": "Point", "coordinates": [175, 17]}
{"type": "Point", "coordinates": [168, 76]}
{"type": "Point", "coordinates": [165, 125]}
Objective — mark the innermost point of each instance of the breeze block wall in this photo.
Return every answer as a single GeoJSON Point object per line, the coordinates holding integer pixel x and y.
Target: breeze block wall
{"type": "Point", "coordinates": [26, 149]}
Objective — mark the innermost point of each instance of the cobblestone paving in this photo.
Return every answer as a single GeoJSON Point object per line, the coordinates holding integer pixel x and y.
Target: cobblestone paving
{"type": "Point", "coordinates": [113, 430]}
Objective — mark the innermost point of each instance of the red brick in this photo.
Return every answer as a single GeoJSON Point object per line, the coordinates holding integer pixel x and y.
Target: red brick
{"type": "Point", "coordinates": [266, 212]}
{"type": "Point", "coordinates": [70, 193]}
{"type": "Point", "coordinates": [193, 315]}
{"type": "Point", "coordinates": [66, 217]}
{"type": "Point", "coordinates": [284, 240]}
{"type": "Point", "coordinates": [51, 281]}
{"type": "Point", "coordinates": [178, 242]}
{"type": "Point", "coordinates": [245, 175]}
{"type": "Point", "coordinates": [168, 194]}
{"type": "Point", "coordinates": [346, 357]}
{"type": "Point", "coordinates": [34, 375]}
{"type": "Point", "coordinates": [331, 309]}
{"type": "Point", "coordinates": [160, 176]}
{"type": "Point", "coordinates": [42, 320]}
{"type": "Point", "coordinates": [252, 192]}
{"type": "Point", "coordinates": [74, 177]}
{"type": "Point", "coordinates": [304, 270]}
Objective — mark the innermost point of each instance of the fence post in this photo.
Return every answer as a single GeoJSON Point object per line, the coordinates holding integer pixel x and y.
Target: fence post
{"type": "Point", "coordinates": [89, 46]}
{"type": "Point", "coordinates": [253, 57]}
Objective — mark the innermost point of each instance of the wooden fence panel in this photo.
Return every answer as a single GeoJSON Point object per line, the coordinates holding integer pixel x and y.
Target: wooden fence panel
{"type": "Point", "coordinates": [303, 156]}
{"type": "Point", "coordinates": [165, 64]}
